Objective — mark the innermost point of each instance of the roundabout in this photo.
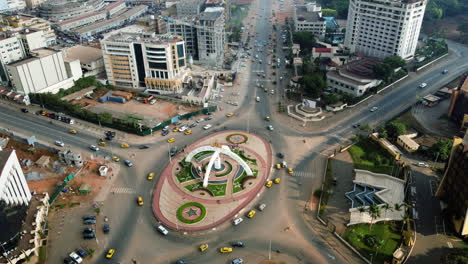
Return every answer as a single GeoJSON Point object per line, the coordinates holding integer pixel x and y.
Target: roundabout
{"type": "Point", "coordinates": [212, 181]}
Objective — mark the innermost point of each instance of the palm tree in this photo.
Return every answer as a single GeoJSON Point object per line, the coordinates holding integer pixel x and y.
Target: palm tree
{"type": "Point", "coordinates": [398, 207]}
{"type": "Point", "coordinates": [387, 207]}
{"type": "Point", "coordinates": [361, 209]}
{"type": "Point", "coordinates": [375, 212]}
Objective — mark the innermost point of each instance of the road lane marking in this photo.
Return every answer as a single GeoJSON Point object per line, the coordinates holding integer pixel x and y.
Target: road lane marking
{"type": "Point", "coordinates": [123, 190]}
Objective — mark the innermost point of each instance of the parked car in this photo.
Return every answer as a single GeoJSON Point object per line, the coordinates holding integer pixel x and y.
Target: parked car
{"type": "Point", "coordinates": [262, 207]}
{"type": "Point", "coordinates": [59, 143]}
{"type": "Point", "coordinates": [270, 127]}
{"type": "Point", "coordinates": [110, 253]}
{"type": "Point", "coordinates": [208, 118]}
{"type": "Point", "coordinates": [128, 163]}
{"type": "Point", "coordinates": [165, 132]}
{"type": "Point", "coordinates": [89, 217]}
{"type": "Point", "coordinates": [106, 228]}
{"type": "Point", "coordinates": [207, 127]}
{"type": "Point", "coordinates": [89, 222]}
{"type": "Point", "coordinates": [193, 125]}
{"type": "Point", "coordinates": [89, 236]}
{"type": "Point", "coordinates": [225, 250]}
{"type": "Point", "coordinates": [162, 230]}
{"type": "Point", "coordinates": [200, 120]}
{"type": "Point", "coordinates": [140, 201]}
{"type": "Point", "coordinates": [88, 230]}
{"type": "Point", "coordinates": [143, 147]}
{"type": "Point", "coordinates": [251, 213]}
{"type": "Point", "coordinates": [75, 257]}
{"type": "Point", "coordinates": [237, 221]}
{"type": "Point", "coordinates": [444, 71]}
{"type": "Point", "coordinates": [68, 260]}
{"type": "Point", "coordinates": [81, 253]}
{"type": "Point", "coordinates": [238, 244]}
{"type": "Point", "coordinates": [203, 247]}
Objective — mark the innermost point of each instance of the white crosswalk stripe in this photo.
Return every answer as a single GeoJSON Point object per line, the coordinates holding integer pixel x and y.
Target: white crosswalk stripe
{"type": "Point", "coordinates": [123, 190]}
{"type": "Point", "coordinates": [302, 174]}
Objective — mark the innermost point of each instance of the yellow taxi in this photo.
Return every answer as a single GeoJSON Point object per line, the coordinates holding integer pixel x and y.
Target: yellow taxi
{"type": "Point", "coordinates": [124, 145]}
{"type": "Point", "coordinates": [72, 131]}
{"type": "Point", "coordinates": [171, 140]}
{"type": "Point", "coordinates": [110, 253]}
{"type": "Point", "coordinates": [188, 132]}
{"type": "Point", "coordinates": [116, 159]}
{"type": "Point", "coordinates": [278, 166]}
{"type": "Point", "coordinates": [229, 114]}
{"type": "Point", "coordinates": [267, 118]}
{"type": "Point", "coordinates": [175, 129]}
{"type": "Point", "coordinates": [269, 184]}
{"type": "Point", "coordinates": [225, 250]}
{"type": "Point", "coordinates": [140, 201]}
{"type": "Point", "coordinates": [251, 213]}
{"type": "Point", "coordinates": [203, 247]}
{"type": "Point", "coordinates": [150, 176]}
{"type": "Point", "coordinates": [277, 180]}
{"type": "Point", "coordinates": [290, 171]}
{"type": "Point", "coordinates": [102, 144]}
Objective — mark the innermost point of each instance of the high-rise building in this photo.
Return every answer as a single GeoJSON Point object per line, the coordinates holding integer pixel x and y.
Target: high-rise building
{"type": "Point", "coordinates": [308, 18]}
{"type": "Point", "coordinates": [145, 60]}
{"type": "Point", "coordinates": [382, 28]}
{"type": "Point", "coordinates": [11, 50]}
{"type": "Point", "coordinates": [458, 108]}
{"type": "Point", "coordinates": [189, 7]}
{"type": "Point", "coordinates": [186, 28]}
{"type": "Point", "coordinates": [454, 185]}
{"type": "Point", "coordinates": [211, 36]}
{"type": "Point", "coordinates": [13, 187]}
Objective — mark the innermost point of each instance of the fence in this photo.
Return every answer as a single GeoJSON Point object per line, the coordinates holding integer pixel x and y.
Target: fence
{"type": "Point", "coordinates": [60, 188]}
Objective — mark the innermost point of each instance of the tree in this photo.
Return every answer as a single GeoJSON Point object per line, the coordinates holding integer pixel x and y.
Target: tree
{"type": "Point", "coordinates": [394, 62]}
{"type": "Point", "coordinates": [463, 27]}
{"type": "Point", "coordinates": [305, 39]}
{"type": "Point", "coordinates": [382, 71]}
{"type": "Point", "coordinates": [433, 11]}
{"type": "Point", "coordinates": [105, 117]}
{"type": "Point", "coordinates": [441, 149]}
{"type": "Point", "coordinates": [361, 209]}
{"type": "Point", "coordinates": [382, 132]}
{"type": "Point", "coordinates": [313, 84]}
{"type": "Point", "coordinates": [330, 99]}
{"type": "Point", "coordinates": [387, 207]}
{"type": "Point", "coordinates": [455, 256]}
{"type": "Point", "coordinates": [328, 12]}
{"type": "Point", "coordinates": [395, 129]}
{"type": "Point", "coordinates": [374, 211]}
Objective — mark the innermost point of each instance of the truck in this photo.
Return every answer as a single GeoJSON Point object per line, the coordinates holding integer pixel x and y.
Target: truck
{"type": "Point", "coordinates": [148, 99]}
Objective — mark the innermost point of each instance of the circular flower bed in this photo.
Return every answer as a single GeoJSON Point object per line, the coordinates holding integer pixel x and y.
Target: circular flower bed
{"type": "Point", "coordinates": [190, 213]}
{"type": "Point", "coordinates": [237, 138]}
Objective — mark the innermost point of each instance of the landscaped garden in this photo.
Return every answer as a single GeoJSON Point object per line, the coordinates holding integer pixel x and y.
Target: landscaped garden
{"type": "Point", "coordinates": [376, 242]}
{"type": "Point", "coordinates": [185, 174]}
{"type": "Point", "coordinates": [368, 155]}
{"type": "Point", "coordinates": [242, 155]}
{"type": "Point", "coordinates": [190, 213]}
{"type": "Point", "coordinates": [237, 184]}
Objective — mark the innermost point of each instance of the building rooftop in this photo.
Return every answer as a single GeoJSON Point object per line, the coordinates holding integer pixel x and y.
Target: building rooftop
{"type": "Point", "coordinates": [4, 156]}
{"type": "Point", "coordinates": [71, 20]}
{"type": "Point", "coordinates": [113, 5]}
{"type": "Point", "coordinates": [305, 16]}
{"type": "Point", "coordinates": [84, 53]}
{"type": "Point", "coordinates": [408, 141]}
{"type": "Point", "coordinates": [361, 68]}
{"type": "Point", "coordinates": [38, 53]}
{"type": "Point", "coordinates": [143, 37]}
{"type": "Point", "coordinates": [210, 16]}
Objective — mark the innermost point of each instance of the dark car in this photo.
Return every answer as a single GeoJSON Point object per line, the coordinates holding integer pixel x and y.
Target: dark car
{"type": "Point", "coordinates": [180, 262]}
{"type": "Point", "coordinates": [81, 253]}
{"type": "Point", "coordinates": [208, 118]}
{"type": "Point", "coordinates": [356, 125]}
{"type": "Point", "coordinates": [88, 230]}
{"type": "Point", "coordinates": [143, 147]}
{"type": "Point", "coordinates": [69, 260]}
{"type": "Point", "coordinates": [238, 244]}
{"type": "Point", "coordinates": [106, 228]}
{"type": "Point", "coordinates": [89, 222]}
{"type": "Point", "coordinates": [24, 110]}
{"type": "Point", "coordinates": [280, 155]}
{"type": "Point", "coordinates": [173, 151]}
{"type": "Point", "coordinates": [193, 125]}
{"type": "Point", "coordinates": [165, 132]}
{"type": "Point", "coordinates": [89, 236]}
{"type": "Point", "coordinates": [89, 217]}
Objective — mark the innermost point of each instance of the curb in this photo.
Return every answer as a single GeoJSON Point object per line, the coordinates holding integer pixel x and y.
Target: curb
{"type": "Point", "coordinates": [429, 63]}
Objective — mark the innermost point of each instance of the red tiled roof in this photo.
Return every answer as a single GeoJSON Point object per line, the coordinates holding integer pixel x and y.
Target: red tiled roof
{"type": "Point", "coordinates": [323, 50]}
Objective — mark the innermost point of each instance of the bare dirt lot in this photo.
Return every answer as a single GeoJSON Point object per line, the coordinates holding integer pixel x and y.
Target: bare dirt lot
{"type": "Point", "coordinates": [160, 111]}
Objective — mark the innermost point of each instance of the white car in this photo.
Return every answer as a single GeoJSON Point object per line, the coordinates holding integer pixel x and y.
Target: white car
{"type": "Point", "coordinates": [272, 92]}
{"type": "Point", "coordinates": [183, 128]}
{"type": "Point", "coordinates": [261, 207]}
{"type": "Point", "coordinates": [237, 221]}
{"type": "Point", "coordinates": [200, 120]}
{"type": "Point", "coordinates": [59, 143]}
{"type": "Point", "coordinates": [373, 109]}
{"type": "Point", "coordinates": [422, 85]}
{"type": "Point", "coordinates": [75, 257]}
{"type": "Point", "coordinates": [257, 99]}
{"type": "Point", "coordinates": [207, 127]}
{"type": "Point", "coordinates": [162, 230]}
{"type": "Point", "coordinates": [93, 147]}
{"type": "Point", "coordinates": [270, 127]}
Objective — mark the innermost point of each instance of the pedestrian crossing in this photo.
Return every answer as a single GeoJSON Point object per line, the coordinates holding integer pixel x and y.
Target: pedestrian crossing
{"type": "Point", "coordinates": [122, 190]}
{"type": "Point", "coordinates": [302, 174]}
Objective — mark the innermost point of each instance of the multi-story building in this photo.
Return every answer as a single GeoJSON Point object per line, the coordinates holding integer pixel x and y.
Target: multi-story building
{"type": "Point", "coordinates": [90, 59]}
{"type": "Point", "coordinates": [23, 21]}
{"type": "Point", "coordinates": [156, 24]}
{"type": "Point", "coordinates": [45, 72]}
{"type": "Point", "coordinates": [189, 7]}
{"type": "Point", "coordinates": [13, 187]}
{"type": "Point", "coordinates": [57, 10]}
{"type": "Point", "coordinates": [186, 27]}
{"type": "Point", "coordinates": [308, 18]}
{"type": "Point", "coordinates": [452, 188]}
{"type": "Point", "coordinates": [145, 60]}
{"type": "Point", "coordinates": [211, 36]}
{"type": "Point", "coordinates": [382, 28]}
{"type": "Point", "coordinates": [354, 78]}
{"type": "Point", "coordinates": [458, 108]}
{"type": "Point", "coordinates": [11, 50]}
{"type": "Point", "coordinates": [31, 4]}
{"type": "Point", "coordinates": [81, 20]}
{"type": "Point", "coordinates": [12, 5]}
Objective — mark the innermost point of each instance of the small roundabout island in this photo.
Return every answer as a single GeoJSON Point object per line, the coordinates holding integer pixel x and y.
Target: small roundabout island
{"type": "Point", "coordinates": [211, 181]}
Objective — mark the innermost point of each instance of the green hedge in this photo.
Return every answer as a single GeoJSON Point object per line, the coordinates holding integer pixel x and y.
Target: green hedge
{"type": "Point", "coordinates": [196, 220]}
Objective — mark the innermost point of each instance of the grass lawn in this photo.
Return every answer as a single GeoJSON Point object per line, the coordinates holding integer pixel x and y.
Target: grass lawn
{"type": "Point", "coordinates": [389, 240]}
{"type": "Point", "coordinates": [185, 174]}
{"type": "Point", "coordinates": [191, 187]}
{"type": "Point", "coordinates": [368, 155]}
{"type": "Point", "coordinates": [248, 160]}
{"type": "Point", "coordinates": [217, 189]}
{"type": "Point", "coordinates": [237, 186]}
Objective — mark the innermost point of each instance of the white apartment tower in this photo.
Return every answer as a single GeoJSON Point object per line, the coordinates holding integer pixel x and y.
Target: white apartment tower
{"type": "Point", "coordinates": [145, 60]}
{"type": "Point", "coordinates": [381, 28]}
{"type": "Point", "coordinates": [14, 189]}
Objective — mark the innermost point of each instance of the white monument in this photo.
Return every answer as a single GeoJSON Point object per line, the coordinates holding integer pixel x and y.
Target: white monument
{"type": "Point", "coordinates": [216, 160]}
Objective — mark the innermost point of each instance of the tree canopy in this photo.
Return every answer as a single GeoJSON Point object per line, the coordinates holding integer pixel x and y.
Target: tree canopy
{"type": "Point", "coordinates": [385, 69]}
{"type": "Point", "coordinates": [395, 129]}
{"type": "Point", "coordinates": [313, 84]}
{"type": "Point", "coordinates": [441, 149]}
{"type": "Point", "coordinates": [305, 39]}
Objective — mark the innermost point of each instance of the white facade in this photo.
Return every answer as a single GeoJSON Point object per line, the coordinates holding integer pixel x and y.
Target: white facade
{"type": "Point", "coordinates": [211, 38]}
{"type": "Point", "coordinates": [382, 28]}
{"type": "Point", "coordinates": [46, 72]}
{"type": "Point", "coordinates": [13, 187]}
{"type": "Point", "coordinates": [308, 18]}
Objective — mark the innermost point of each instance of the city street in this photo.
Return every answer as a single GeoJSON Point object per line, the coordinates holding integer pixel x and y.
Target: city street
{"type": "Point", "coordinates": [280, 232]}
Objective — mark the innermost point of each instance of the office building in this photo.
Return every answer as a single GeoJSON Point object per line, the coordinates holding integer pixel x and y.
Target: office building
{"type": "Point", "coordinates": [186, 27]}
{"type": "Point", "coordinates": [90, 58]}
{"type": "Point", "coordinates": [145, 60]}
{"type": "Point", "coordinates": [189, 7]}
{"type": "Point", "coordinates": [454, 185]}
{"type": "Point", "coordinates": [45, 71]}
{"type": "Point", "coordinates": [57, 10]}
{"type": "Point", "coordinates": [211, 37]}
{"type": "Point", "coordinates": [382, 28]}
{"type": "Point", "coordinates": [14, 190]}
{"type": "Point", "coordinates": [31, 4]}
{"type": "Point", "coordinates": [308, 18]}
{"type": "Point", "coordinates": [458, 108]}
{"type": "Point", "coordinates": [11, 50]}
{"type": "Point", "coordinates": [354, 78]}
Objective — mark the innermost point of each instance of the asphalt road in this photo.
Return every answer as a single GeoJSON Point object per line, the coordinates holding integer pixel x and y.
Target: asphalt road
{"type": "Point", "coordinates": [133, 234]}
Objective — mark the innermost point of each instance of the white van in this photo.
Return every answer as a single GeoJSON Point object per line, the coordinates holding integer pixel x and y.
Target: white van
{"type": "Point", "coordinates": [207, 127]}
{"type": "Point", "coordinates": [257, 99]}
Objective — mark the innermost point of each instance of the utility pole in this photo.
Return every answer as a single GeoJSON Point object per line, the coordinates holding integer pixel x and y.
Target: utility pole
{"type": "Point", "coordinates": [269, 251]}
